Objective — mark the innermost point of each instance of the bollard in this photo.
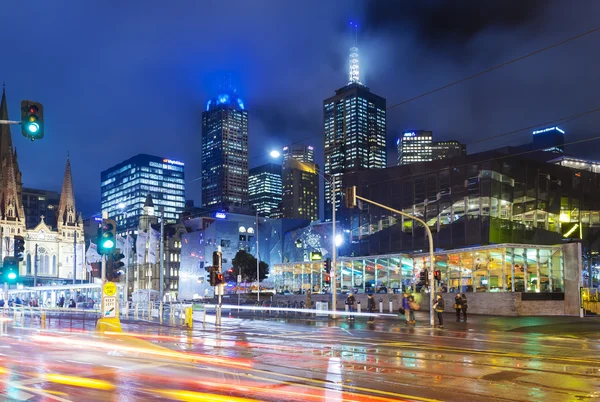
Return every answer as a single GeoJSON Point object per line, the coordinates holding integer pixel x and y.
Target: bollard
{"type": "Point", "coordinates": [381, 306]}
{"type": "Point", "coordinates": [346, 308]}
{"type": "Point", "coordinates": [136, 310]}
{"type": "Point", "coordinates": [189, 322]}
{"type": "Point", "coordinates": [204, 319]}
{"type": "Point", "coordinates": [160, 312]}
{"type": "Point", "coordinates": [43, 319]}
{"type": "Point", "coordinates": [391, 305]}
{"type": "Point", "coordinates": [358, 307]}
{"type": "Point", "coordinates": [172, 314]}
{"type": "Point", "coordinates": [149, 310]}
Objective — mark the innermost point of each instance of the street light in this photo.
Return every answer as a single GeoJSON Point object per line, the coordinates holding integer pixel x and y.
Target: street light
{"type": "Point", "coordinates": [275, 154]}
{"type": "Point", "coordinates": [338, 240]}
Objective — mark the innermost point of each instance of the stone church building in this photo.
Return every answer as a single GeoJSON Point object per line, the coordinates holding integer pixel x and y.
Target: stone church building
{"type": "Point", "coordinates": [51, 253]}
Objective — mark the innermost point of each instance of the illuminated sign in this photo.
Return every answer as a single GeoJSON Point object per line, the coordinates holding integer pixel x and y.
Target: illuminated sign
{"type": "Point", "coordinates": [410, 134]}
{"type": "Point", "coordinates": [310, 147]}
{"type": "Point", "coordinates": [285, 148]}
{"type": "Point", "coordinates": [220, 215]}
{"type": "Point", "coordinates": [545, 130]}
{"type": "Point", "coordinates": [316, 256]}
{"type": "Point", "coordinates": [98, 219]}
{"type": "Point", "coordinates": [172, 162]}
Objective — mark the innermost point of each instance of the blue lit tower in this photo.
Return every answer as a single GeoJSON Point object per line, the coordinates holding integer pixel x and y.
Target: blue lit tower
{"type": "Point", "coordinates": [225, 152]}
{"type": "Point", "coordinates": [355, 129]}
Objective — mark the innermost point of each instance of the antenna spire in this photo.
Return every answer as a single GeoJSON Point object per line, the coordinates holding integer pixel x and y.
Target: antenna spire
{"type": "Point", "coordinates": [354, 70]}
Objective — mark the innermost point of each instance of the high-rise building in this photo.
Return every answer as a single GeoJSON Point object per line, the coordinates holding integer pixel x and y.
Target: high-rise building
{"type": "Point", "coordinates": [418, 146]}
{"type": "Point", "coordinates": [447, 150]}
{"type": "Point", "coordinates": [355, 129]}
{"type": "Point", "coordinates": [38, 203]}
{"type": "Point", "coordinates": [300, 177]}
{"type": "Point", "coordinates": [302, 153]}
{"type": "Point", "coordinates": [225, 152]}
{"type": "Point", "coordinates": [415, 146]}
{"type": "Point", "coordinates": [125, 186]}
{"type": "Point", "coordinates": [549, 139]}
{"type": "Point", "coordinates": [264, 188]}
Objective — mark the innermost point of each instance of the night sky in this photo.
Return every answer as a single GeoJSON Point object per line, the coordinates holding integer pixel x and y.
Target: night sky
{"type": "Point", "coordinates": [122, 78]}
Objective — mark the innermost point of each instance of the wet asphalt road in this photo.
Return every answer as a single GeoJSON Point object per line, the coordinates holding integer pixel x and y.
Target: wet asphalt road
{"type": "Point", "coordinates": [294, 359]}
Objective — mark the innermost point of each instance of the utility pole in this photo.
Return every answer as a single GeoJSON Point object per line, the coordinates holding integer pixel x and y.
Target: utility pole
{"type": "Point", "coordinates": [162, 251]}
{"type": "Point", "coordinates": [74, 257]}
{"type": "Point", "coordinates": [35, 266]}
{"type": "Point", "coordinates": [334, 250]}
{"type": "Point", "coordinates": [257, 259]}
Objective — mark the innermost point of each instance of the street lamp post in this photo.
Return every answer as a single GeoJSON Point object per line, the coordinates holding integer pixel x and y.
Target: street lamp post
{"type": "Point", "coordinates": [257, 261]}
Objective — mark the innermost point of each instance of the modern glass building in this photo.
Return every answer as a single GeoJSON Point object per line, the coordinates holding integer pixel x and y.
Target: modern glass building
{"type": "Point", "coordinates": [225, 152]}
{"type": "Point", "coordinates": [299, 152]}
{"type": "Point", "coordinates": [300, 190]}
{"type": "Point", "coordinates": [549, 139]}
{"type": "Point", "coordinates": [265, 188]}
{"type": "Point", "coordinates": [447, 150]}
{"type": "Point", "coordinates": [125, 186]}
{"type": "Point", "coordinates": [38, 203]}
{"type": "Point", "coordinates": [355, 130]}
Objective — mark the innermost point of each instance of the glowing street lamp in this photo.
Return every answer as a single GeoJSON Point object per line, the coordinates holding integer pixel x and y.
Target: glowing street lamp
{"type": "Point", "coordinates": [275, 154]}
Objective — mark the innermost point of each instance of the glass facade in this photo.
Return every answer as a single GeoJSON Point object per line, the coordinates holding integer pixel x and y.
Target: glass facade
{"type": "Point", "coordinates": [125, 186]}
{"type": "Point", "coordinates": [300, 183]}
{"type": "Point", "coordinates": [225, 152]}
{"type": "Point", "coordinates": [38, 203]}
{"type": "Point", "coordinates": [486, 198]}
{"type": "Point", "coordinates": [355, 129]}
{"type": "Point", "coordinates": [415, 146]}
{"type": "Point", "coordinates": [447, 149]}
{"type": "Point", "coordinates": [265, 188]}
{"type": "Point", "coordinates": [495, 268]}
{"type": "Point", "coordinates": [302, 153]}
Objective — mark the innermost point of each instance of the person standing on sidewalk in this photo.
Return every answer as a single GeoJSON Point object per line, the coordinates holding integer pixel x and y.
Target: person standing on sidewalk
{"type": "Point", "coordinates": [371, 306]}
{"type": "Point", "coordinates": [458, 306]}
{"type": "Point", "coordinates": [438, 306]}
{"type": "Point", "coordinates": [464, 306]}
{"type": "Point", "coordinates": [350, 301]}
{"type": "Point", "coordinates": [412, 306]}
{"type": "Point", "coordinates": [406, 307]}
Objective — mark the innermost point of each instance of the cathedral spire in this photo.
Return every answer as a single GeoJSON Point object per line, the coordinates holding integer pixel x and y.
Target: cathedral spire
{"type": "Point", "coordinates": [11, 207]}
{"type": "Point", "coordinates": [5, 139]}
{"type": "Point", "coordinates": [67, 215]}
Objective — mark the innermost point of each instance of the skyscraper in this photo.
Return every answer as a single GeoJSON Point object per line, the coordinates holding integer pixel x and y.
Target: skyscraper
{"type": "Point", "coordinates": [125, 187]}
{"type": "Point", "coordinates": [264, 188]}
{"type": "Point", "coordinates": [355, 129]}
{"type": "Point", "coordinates": [550, 139]}
{"type": "Point", "coordinates": [225, 152]}
{"type": "Point", "coordinates": [300, 183]}
{"type": "Point", "coordinates": [415, 146]}
{"type": "Point", "coordinates": [447, 150]}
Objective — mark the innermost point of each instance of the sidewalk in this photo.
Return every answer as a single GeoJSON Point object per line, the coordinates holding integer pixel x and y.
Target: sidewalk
{"type": "Point", "coordinates": [588, 327]}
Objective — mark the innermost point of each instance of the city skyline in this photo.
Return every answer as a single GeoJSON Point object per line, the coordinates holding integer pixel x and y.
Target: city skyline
{"type": "Point", "coordinates": [140, 94]}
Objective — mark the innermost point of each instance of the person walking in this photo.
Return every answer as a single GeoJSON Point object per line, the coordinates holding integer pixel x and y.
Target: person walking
{"type": "Point", "coordinates": [412, 307]}
{"type": "Point", "coordinates": [464, 306]}
{"type": "Point", "coordinates": [458, 306]}
{"type": "Point", "coordinates": [406, 307]}
{"type": "Point", "coordinates": [438, 306]}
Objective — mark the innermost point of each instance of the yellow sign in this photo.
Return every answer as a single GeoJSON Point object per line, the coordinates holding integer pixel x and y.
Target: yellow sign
{"type": "Point", "coordinates": [110, 289]}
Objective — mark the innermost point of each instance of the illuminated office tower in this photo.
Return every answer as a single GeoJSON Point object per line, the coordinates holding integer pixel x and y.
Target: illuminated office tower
{"type": "Point", "coordinates": [125, 187]}
{"type": "Point", "coordinates": [355, 129]}
{"type": "Point", "coordinates": [264, 188]}
{"type": "Point", "coordinates": [225, 152]}
{"type": "Point", "coordinates": [415, 146]}
{"type": "Point", "coordinates": [300, 177]}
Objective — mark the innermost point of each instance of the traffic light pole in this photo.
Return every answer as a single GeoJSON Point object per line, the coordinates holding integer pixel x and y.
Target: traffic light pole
{"type": "Point", "coordinates": [162, 252]}
{"type": "Point", "coordinates": [9, 122]}
{"type": "Point", "coordinates": [431, 256]}
{"type": "Point", "coordinates": [334, 250]}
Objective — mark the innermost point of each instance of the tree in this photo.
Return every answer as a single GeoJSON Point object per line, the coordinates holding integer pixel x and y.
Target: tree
{"type": "Point", "coordinates": [245, 264]}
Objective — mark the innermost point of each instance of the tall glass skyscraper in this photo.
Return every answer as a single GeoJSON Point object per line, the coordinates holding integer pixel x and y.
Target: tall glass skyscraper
{"type": "Point", "coordinates": [355, 129]}
{"type": "Point", "coordinates": [265, 188]}
{"type": "Point", "coordinates": [225, 152]}
{"type": "Point", "coordinates": [300, 178]}
{"type": "Point", "coordinates": [125, 186]}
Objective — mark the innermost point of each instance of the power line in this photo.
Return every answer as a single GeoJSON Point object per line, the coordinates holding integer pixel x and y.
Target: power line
{"type": "Point", "coordinates": [494, 68]}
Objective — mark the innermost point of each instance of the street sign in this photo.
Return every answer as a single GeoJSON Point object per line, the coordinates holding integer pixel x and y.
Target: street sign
{"type": "Point", "coordinates": [109, 309]}
{"type": "Point", "coordinates": [110, 289]}
{"type": "Point", "coordinates": [239, 279]}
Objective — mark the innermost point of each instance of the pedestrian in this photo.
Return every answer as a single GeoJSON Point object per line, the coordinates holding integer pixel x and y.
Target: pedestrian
{"type": "Point", "coordinates": [464, 306]}
{"type": "Point", "coordinates": [412, 307]}
{"type": "Point", "coordinates": [350, 301]}
{"type": "Point", "coordinates": [438, 306]}
{"type": "Point", "coordinates": [371, 306]}
{"type": "Point", "coordinates": [406, 307]}
{"type": "Point", "coordinates": [458, 306]}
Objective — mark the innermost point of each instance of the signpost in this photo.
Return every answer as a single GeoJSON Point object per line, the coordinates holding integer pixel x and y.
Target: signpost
{"type": "Point", "coordinates": [109, 307]}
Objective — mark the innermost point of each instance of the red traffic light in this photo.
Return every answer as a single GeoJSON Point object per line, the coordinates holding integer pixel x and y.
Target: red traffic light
{"type": "Point", "coordinates": [33, 109]}
{"type": "Point", "coordinates": [107, 227]}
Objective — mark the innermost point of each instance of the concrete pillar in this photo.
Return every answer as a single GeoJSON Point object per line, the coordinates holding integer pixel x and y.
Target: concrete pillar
{"type": "Point", "coordinates": [512, 269]}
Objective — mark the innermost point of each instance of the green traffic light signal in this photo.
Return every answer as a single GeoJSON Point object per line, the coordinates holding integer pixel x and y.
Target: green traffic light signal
{"type": "Point", "coordinates": [32, 120]}
{"type": "Point", "coordinates": [10, 270]}
{"type": "Point", "coordinates": [108, 235]}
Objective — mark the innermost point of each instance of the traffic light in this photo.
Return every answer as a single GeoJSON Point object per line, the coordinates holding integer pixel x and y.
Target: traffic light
{"type": "Point", "coordinates": [220, 279]}
{"type": "Point", "coordinates": [328, 279]}
{"type": "Point", "coordinates": [213, 277]}
{"type": "Point", "coordinates": [351, 197]}
{"type": "Point", "coordinates": [108, 237]}
{"type": "Point", "coordinates": [327, 265]}
{"type": "Point", "coordinates": [423, 276]}
{"type": "Point", "coordinates": [19, 251]}
{"type": "Point", "coordinates": [437, 275]}
{"type": "Point", "coordinates": [217, 260]}
{"type": "Point", "coordinates": [115, 269]}
{"type": "Point", "coordinates": [10, 270]}
{"type": "Point", "coordinates": [32, 120]}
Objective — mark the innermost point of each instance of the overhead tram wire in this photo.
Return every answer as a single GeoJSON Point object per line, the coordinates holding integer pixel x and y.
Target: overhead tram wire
{"type": "Point", "coordinates": [557, 44]}
{"type": "Point", "coordinates": [506, 63]}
